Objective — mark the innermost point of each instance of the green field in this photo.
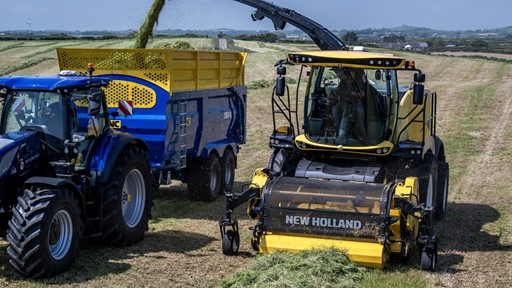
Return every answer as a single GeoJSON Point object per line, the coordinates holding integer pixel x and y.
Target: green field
{"type": "Point", "coordinates": [183, 247]}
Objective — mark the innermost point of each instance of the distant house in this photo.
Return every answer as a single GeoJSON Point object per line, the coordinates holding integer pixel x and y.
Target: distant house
{"type": "Point", "coordinates": [416, 46]}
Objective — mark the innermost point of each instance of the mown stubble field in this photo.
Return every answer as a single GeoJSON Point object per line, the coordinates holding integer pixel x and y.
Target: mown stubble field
{"type": "Point", "coordinates": [182, 248]}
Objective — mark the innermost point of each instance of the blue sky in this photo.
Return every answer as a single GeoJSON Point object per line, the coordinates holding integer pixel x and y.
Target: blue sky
{"type": "Point", "coordinates": [208, 14]}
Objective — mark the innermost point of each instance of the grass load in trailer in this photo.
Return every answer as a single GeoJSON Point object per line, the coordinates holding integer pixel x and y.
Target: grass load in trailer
{"type": "Point", "coordinates": [189, 106]}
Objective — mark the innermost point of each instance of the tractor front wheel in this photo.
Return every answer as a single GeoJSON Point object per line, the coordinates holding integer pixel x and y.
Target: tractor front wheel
{"type": "Point", "coordinates": [44, 232]}
{"type": "Point", "coordinates": [127, 199]}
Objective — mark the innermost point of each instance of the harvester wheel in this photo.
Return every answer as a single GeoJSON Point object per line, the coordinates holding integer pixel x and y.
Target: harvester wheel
{"type": "Point", "coordinates": [44, 232]}
{"type": "Point", "coordinates": [228, 171]}
{"type": "Point", "coordinates": [442, 189]}
{"type": "Point", "coordinates": [204, 178]}
{"type": "Point", "coordinates": [127, 199]}
{"type": "Point", "coordinates": [230, 243]}
{"type": "Point", "coordinates": [429, 257]}
{"type": "Point", "coordinates": [427, 175]}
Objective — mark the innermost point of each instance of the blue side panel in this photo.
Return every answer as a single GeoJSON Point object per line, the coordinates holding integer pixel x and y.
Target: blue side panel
{"type": "Point", "coordinates": [216, 119]}
{"type": "Point", "coordinates": [148, 124]}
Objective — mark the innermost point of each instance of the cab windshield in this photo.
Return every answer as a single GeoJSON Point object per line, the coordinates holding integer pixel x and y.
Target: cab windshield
{"type": "Point", "coordinates": [35, 110]}
{"type": "Point", "coordinates": [351, 107]}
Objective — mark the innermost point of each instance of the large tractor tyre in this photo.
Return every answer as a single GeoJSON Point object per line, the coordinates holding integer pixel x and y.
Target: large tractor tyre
{"type": "Point", "coordinates": [227, 165]}
{"type": "Point", "coordinates": [443, 172]}
{"type": "Point", "coordinates": [127, 199]}
{"type": "Point", "coordinates": [44, 232]}
{"type": "Point", "coordinates": [204, 178]}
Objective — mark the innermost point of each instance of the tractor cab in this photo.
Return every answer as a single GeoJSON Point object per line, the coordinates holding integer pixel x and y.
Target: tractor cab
{"type": "Point", "coordinates": [50, 110]}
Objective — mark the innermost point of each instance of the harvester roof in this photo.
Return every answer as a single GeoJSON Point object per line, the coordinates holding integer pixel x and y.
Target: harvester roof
{"type": "Point", "coordinates": [347, 59]}
{"type": "Point", "coordinates": [50, 82]}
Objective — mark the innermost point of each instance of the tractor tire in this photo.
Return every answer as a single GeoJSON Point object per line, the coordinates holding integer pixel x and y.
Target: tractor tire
{"type": "Point", "coordinates": [230, 243]}
{"type": "Point", "coordinates": [227, 166]}
{"type": "Point", "coordinates": [44, 232]}
{"type": "Point", "coordinates": [127, 199]}
{"type": "Point", "coordinates": [443, 178]}
{"type": "Point", "coordinates": [204, 178]}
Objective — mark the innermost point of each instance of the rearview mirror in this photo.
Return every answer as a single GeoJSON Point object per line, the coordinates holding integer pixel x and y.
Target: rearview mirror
{"type": "Point", "coordinates": [280, 85]}
{"type": "Point", "coordinates": [419, 91]}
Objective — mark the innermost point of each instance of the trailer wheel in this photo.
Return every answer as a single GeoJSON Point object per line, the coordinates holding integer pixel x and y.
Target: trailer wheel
{"type": "Point", "coordinates": [442, 189]}
{"type": "Point", "coordinates": [127, 199]}
{"type": "Point", "coordinates": [44, 232]}
{"type": "Point", "coordinates": [429, 257]}
{"type": "Point", "coordinates": [228, 171]}
{"type": "Point", "coordinates": [204, 178]}
{"type": "Point", "coordinates": [230, 243]}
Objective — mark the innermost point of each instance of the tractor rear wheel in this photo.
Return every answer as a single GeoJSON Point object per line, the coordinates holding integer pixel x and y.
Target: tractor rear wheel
{"type": "Point", "coordinates": [127, 199]}
{"type": "Point", "coordinates": [204, 178]}
{"type": "Point", "coordinates": [44, 232]}
{"type": "Point", "coordinates": [442, 189]}
{"type": "Point", "coordinates": [227, 165]}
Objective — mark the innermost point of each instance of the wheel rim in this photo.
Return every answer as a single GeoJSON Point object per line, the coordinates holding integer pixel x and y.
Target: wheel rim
{"type": "Point", "coordinates": [133, 198]}
{"type": "Point", "coordinates": [60, 234]}
{"type": "Point", "coordinates": [228, 174]}
{"type": "Point", "coordinates": [213, 178]}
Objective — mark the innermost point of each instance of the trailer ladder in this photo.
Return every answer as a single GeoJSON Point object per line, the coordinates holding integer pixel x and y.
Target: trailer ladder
{"type": "Point", "coordinates": [180, 134]}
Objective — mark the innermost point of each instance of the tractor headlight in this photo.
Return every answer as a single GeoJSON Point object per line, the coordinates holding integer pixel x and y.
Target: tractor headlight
{"type": "Point", "coordinates": [7, 160]}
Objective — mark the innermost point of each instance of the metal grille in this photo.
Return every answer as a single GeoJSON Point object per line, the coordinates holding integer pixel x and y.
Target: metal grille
{"type": "Point", "coordinates": [141, 96]}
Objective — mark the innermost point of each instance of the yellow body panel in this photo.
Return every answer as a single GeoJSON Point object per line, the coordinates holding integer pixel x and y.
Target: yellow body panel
{"type": "Point", "coordinates": [349, 59]}
{"type": "Point", "coordinates": [172, 70]}
{"type": "Point", "coordinates": [370, 254]}
{"type": "Point", "coordinates": [368, 150]}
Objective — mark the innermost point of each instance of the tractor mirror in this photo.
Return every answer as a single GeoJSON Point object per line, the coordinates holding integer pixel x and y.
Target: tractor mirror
{"type": "Point", "coordinates": [93, 107]}
{"type": "Point", "coordinates": [280, 85]}
{"type": "Point", "coordinates": [419, 91]}
{"type": "Point", "coordinates": [281, 70]}
{"type": "Point", "coordinates": [419, 77]}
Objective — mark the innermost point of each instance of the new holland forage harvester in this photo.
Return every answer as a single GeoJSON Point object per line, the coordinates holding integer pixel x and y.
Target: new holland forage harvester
{"type": "Point", "coordinates": [365, 172]}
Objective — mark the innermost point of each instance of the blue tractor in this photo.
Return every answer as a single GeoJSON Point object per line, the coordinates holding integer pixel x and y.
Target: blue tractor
{"type": "Point", "coordinates": [65, 173]}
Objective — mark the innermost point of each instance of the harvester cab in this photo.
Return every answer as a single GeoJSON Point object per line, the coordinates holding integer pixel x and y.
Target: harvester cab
{"type": "Point", "coordinates": [359, 167]}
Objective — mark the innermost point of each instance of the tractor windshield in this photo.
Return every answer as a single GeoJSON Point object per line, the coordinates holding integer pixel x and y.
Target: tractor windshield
{"type": "Point", "coordinates": [351, 107]}
{"type": "Point", "coordinates": [35, 110]}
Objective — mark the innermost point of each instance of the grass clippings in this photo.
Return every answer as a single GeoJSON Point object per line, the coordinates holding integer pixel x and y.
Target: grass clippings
{"type": "Point", "coordinates": [310, 268]}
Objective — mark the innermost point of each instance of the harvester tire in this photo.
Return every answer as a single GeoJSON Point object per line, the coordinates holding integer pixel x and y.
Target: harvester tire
{"type": "Point", "coordinates": [427, 176]}
{"type": "Point", "coordinates": [230, 243]}
{"type": "Point", "coordinates": [428, 257]}
{"type": "Point", "coordinates": [204, 178]}
{"type": "Point", "coordinates": [127, 199]}
{"type": "Point", "coordinates": [443, 178]}
{"type": "Point", "coordinates": [227, 165]}
{"type": "Point", "coordinates": [44, 232]}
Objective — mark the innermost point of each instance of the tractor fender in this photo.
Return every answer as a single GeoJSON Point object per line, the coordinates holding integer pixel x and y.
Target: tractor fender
{"type": "Point", "coordinates": [110, 150]}
{"type": "Point", "coordinates": [440, 156]}
{"type": "Point", "coordinates": [59, 183]}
